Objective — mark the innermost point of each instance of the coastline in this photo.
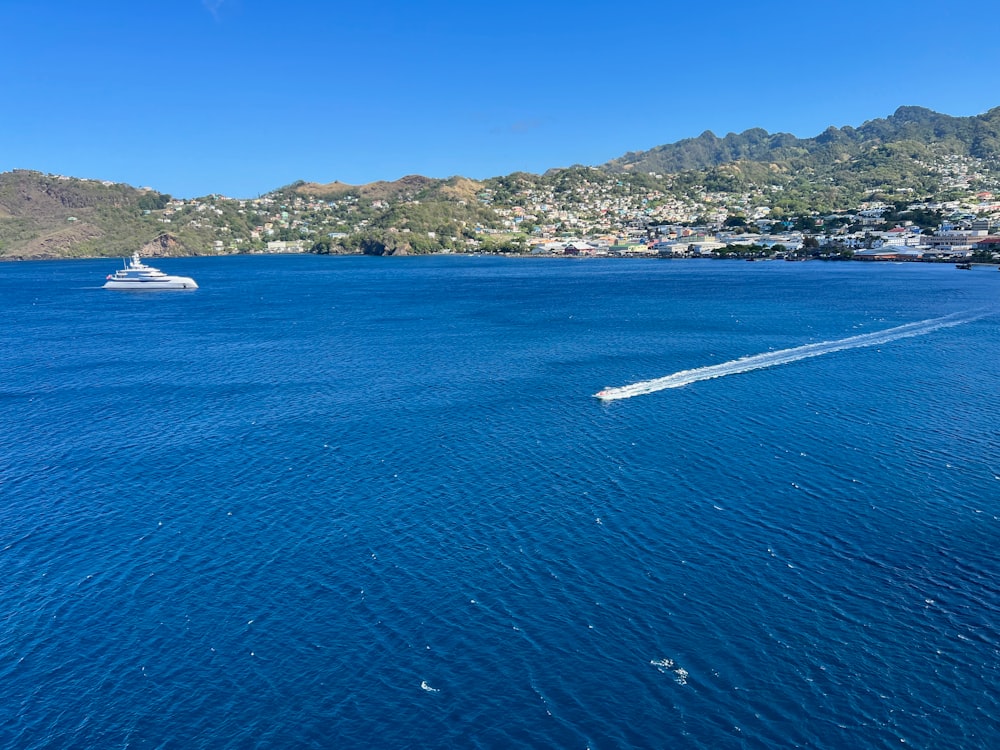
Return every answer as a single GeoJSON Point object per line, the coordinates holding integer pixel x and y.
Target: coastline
{"type": "Point", "coordinates": [512, 256]}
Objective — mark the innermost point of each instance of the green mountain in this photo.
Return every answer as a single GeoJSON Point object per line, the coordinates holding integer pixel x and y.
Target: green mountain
{"type": "Point", "coordinates": [977, 136]}
{"type": "Point", "coordinates": [914, 154]}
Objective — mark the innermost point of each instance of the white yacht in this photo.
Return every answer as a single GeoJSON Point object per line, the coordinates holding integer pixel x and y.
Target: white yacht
{"type": "Point", "coordinates": [137, 275]}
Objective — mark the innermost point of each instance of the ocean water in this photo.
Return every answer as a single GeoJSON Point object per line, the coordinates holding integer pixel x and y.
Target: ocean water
{"type": "Point", "coordinates": [364, 502]}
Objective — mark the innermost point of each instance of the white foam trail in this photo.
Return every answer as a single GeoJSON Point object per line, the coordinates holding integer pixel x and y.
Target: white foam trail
{"type": "Point", "coordinates": [783, 357]}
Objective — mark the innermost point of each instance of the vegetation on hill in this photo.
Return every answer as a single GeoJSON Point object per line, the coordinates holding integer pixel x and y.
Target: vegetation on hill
{"type": "Point", "coordinates": [977, 136]}
{"type": "Point", "coordinates": [907, 153]}
{"type": "Point", "coordinates": [50, 216]}
{"type": "Point", "coordinates": [912, 156]}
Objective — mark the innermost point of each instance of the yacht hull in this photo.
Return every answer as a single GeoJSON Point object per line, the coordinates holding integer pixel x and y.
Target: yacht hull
{"type": "Point", "coordinates": [176, 282]}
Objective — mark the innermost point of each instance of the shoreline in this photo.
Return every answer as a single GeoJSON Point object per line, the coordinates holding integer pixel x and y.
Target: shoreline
{"type": "Point", "coordinates": [512, 256]}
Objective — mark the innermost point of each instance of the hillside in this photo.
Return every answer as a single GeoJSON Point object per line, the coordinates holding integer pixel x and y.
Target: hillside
{"type": "Point", "coordinates": [911, 156]}
{"type": "Point", "coordinates": [404, 187]}
{"type": "Point", "coordinates": [977, 136]}
{"type": "Point", "coordinates": [913, 152]}
{"type": "Point", "coordinates": [46, 216]}
{"type": "Point", "coordinates": [51, 216]}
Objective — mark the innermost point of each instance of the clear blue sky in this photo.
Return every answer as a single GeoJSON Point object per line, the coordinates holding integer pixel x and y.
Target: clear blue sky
{"type": "Point", "coordinates": [242, 96]}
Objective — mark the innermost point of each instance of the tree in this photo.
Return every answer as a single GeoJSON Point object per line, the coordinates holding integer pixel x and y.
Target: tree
{"type": "Point", "coordinates": [153, 201]}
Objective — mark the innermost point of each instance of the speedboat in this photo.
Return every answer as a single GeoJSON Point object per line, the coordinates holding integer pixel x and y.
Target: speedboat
{"type": "Point", "coordinates": [137, 275]}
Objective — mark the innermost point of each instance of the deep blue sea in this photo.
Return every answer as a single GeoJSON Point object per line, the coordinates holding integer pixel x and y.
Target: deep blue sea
{"type": "Point", "coordinates": [330, 502]}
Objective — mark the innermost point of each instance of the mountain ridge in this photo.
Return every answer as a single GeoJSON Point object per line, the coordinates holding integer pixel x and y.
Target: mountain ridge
{"type": "Point", "coordinates": [756, 144]}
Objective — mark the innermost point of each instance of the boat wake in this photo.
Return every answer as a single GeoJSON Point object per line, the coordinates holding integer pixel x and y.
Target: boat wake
{"type": "Point", "coordinates": [784, 356]}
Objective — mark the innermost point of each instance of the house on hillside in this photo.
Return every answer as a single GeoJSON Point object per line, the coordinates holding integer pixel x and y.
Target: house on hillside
{"type": "Point", "coordinates": [990, 244]}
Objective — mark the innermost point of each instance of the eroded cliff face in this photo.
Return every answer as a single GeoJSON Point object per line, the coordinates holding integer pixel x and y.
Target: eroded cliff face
{"type": "Point", "coordinates": [165, 245]}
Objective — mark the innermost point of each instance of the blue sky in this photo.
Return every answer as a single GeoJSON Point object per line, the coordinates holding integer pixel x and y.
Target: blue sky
{"type": "Point", "coordinates": [242, 96]}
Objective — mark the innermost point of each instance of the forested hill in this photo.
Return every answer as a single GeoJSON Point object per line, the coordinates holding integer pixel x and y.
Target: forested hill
{"type": "Point", "coordinates": [977, 136]}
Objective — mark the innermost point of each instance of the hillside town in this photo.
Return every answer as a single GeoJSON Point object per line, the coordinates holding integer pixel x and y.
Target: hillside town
{"type": "Point", "coordinates": [615, 217]}
{"type": "Point", "coordinates": [953, 214]}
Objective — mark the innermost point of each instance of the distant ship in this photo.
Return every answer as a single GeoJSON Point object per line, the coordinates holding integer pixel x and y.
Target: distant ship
{"type": "Point", "coordinates": [138, 276]}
